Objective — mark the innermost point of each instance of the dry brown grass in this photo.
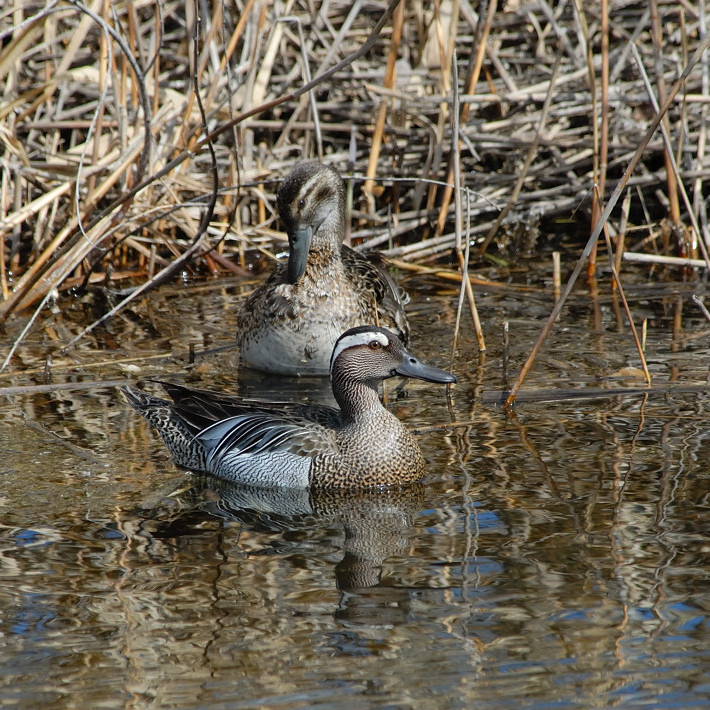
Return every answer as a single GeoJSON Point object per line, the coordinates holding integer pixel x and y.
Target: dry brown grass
{"type": "Point", "coordinates": [107, 171]}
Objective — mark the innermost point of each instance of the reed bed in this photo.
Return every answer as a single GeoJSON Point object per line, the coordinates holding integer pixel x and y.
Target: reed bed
{"type": "Point", "coordinates": [144, 139]}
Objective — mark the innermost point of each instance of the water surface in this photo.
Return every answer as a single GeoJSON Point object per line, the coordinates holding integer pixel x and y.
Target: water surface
{"type": "Point", "coordinates": [555, 557]}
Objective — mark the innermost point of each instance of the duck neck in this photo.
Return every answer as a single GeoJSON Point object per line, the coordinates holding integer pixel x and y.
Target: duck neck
{"type": "Point", "coordinates": [354, 397]}
{"type": "Point", "coordinates": [330, 233]}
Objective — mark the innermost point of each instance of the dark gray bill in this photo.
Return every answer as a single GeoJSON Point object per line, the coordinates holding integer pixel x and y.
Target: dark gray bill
{"type": "Point", "coordinates": [299, 243]}
{"type": "Point", "coordinates": [411, 367]}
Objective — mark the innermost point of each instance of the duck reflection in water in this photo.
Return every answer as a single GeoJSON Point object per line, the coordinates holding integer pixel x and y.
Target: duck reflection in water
{"type": "Point", "coordinates": [376, 525]}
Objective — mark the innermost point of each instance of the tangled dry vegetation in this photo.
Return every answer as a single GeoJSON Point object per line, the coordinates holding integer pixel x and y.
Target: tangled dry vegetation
{"type": "Point", "coordinates": [144, 138]}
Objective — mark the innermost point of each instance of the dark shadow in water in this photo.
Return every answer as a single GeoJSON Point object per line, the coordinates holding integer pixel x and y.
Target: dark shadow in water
{"type": "Point", "coordinates": [260, 385]}
{"type": "Point", "coordinates": [376, 525]}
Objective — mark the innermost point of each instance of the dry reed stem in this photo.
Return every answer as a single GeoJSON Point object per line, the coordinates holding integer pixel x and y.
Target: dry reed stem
{"type": "Point", "coordinates": [678, 261]}
{"type": "Point", "coordinates": [656, 36]}
{"type": "Point", "coordinates": [482, 33]}
{"type": "Point", "coordinates": [390, 76]}
{"type": "Point", "coordinates": [600, 125]}
{"type": "Point", "coordinates": [625, 303]}
{"type": "Point", "coordinates": [463, 256]}
{"type": "Point", "coordinates": [702, 307]}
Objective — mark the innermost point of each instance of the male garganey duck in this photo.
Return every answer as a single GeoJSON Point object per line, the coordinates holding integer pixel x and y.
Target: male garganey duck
{"type": "Point", "coordinates": [293, 445]}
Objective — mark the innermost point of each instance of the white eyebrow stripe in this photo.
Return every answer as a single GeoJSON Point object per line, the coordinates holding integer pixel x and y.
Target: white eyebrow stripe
{"type": "Point", "coordinates": [310, 184]}
{"type": "Point", "coordinates": [357, 339]}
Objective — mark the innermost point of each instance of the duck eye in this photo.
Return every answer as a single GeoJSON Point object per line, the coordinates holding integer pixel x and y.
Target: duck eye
{"type": "Point", "coordinates": [375, 344]}
{"type": "Point", "coordinates": [302, 202]}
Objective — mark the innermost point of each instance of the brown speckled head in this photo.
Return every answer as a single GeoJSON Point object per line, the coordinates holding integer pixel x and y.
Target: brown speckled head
{"type": "Point", "coordinates": [311, 202]}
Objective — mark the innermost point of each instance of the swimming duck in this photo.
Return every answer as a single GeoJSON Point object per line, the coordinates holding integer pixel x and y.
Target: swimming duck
{"type": "Point", "coordinates": [290, 323]}
{"type": "Point", "coordinates": [294, 445]}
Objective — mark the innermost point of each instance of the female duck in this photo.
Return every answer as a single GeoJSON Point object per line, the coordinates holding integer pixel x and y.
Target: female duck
{"type": "Point", "coordinates": [289, 324]}
{"type": "Point", "coordinates": [297, 445]}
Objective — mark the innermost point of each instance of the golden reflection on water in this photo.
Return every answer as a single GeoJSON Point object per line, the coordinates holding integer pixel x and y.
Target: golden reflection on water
{"type": "Point", "coordinates": [555, 556]}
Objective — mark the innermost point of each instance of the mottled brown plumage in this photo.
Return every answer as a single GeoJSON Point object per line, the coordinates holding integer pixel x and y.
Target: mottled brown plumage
{"type": "Point", "coordinates": [290, 324]}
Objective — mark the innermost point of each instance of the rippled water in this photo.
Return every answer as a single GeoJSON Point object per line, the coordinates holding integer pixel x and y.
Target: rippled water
{"type": "Point", "coordinates": [557, 557]}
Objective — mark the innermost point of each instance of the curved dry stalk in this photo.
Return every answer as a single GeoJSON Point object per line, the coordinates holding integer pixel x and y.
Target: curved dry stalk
{"type": "Point", "coordinates": [140, 80]}
{"type": "Point", "coordinates": [168, 271]}
{"type": "Point", "coordinates": [61, 246]}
